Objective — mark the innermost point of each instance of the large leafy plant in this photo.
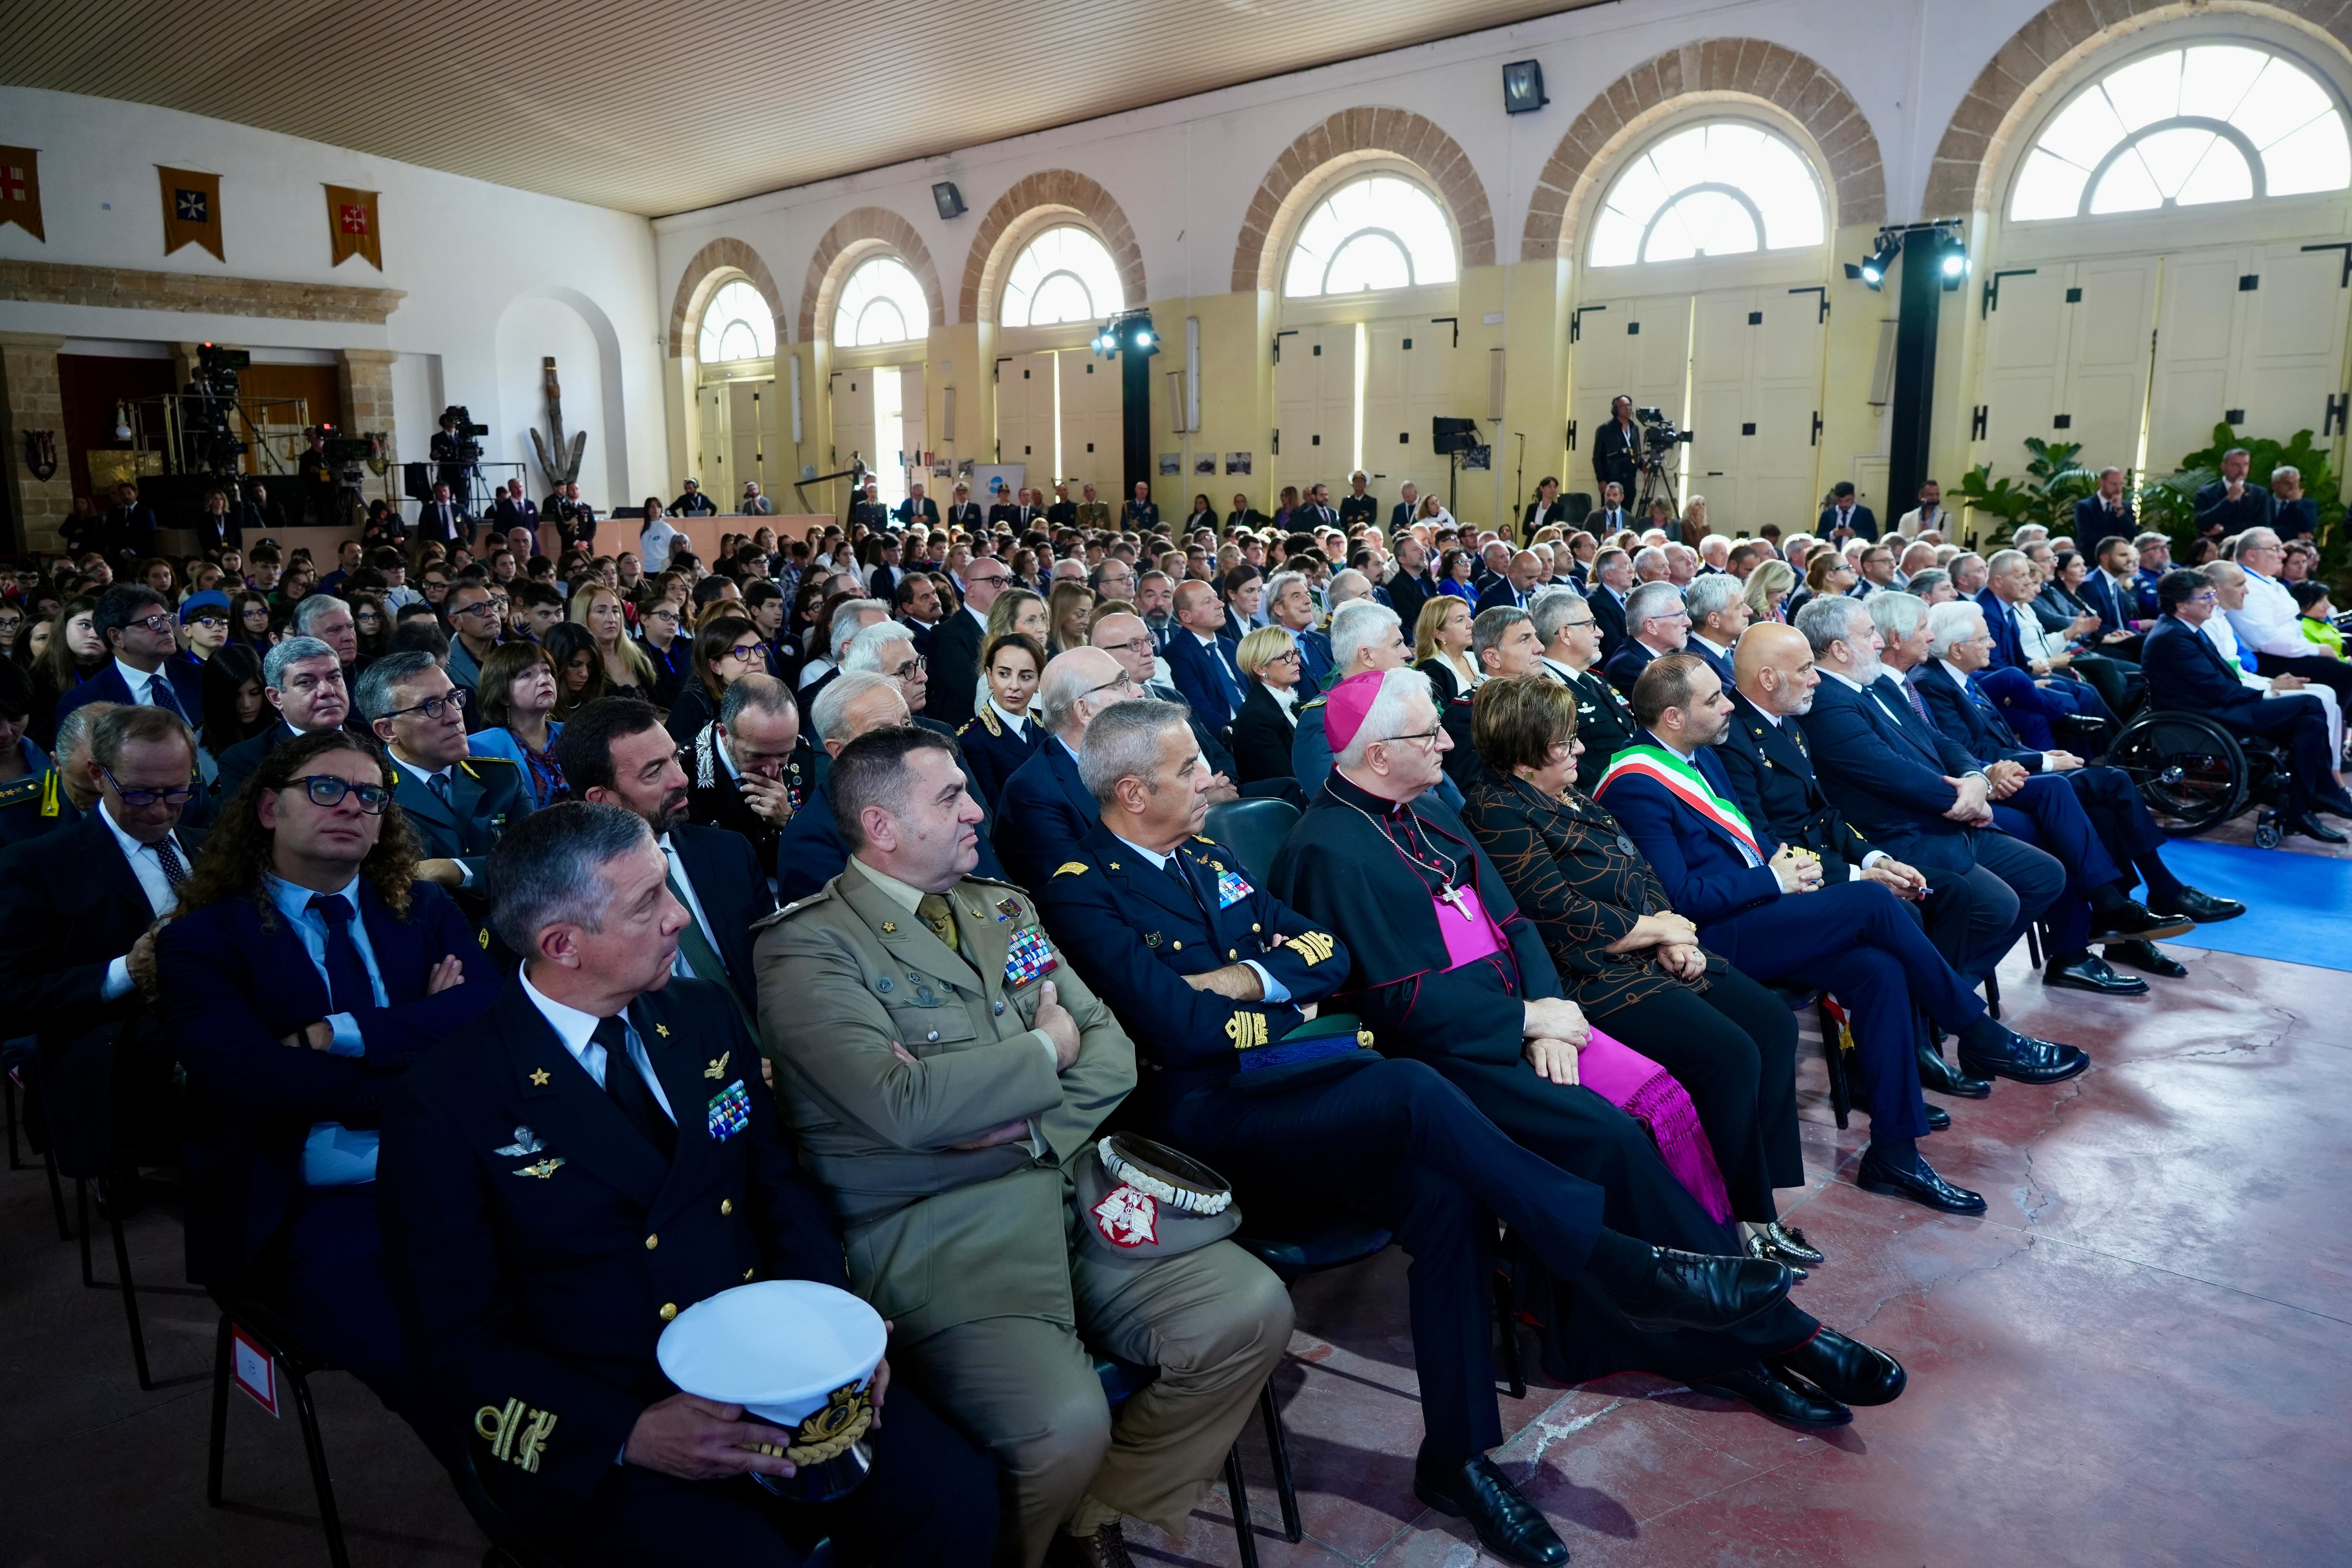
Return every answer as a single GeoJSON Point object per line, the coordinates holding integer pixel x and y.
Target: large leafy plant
{"type": "Point", "coordinates": [2053, 481]}
{"type": "Point", "coordinates": [2170, 503]}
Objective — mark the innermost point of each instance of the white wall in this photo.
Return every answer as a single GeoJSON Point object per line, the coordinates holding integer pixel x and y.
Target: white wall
{"type": "Point", "coordinates": [495, 277]}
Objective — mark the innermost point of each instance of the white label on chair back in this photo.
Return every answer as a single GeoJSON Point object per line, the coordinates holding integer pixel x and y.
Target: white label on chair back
{"type": "Point", "coordinates": [256, 1370]}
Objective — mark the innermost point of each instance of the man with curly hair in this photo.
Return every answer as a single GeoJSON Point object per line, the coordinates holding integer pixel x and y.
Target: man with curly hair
{"type": "Point", "coordinates": [306, 968]}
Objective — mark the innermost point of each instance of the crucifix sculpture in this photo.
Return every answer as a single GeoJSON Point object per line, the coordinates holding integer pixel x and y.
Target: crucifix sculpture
{"type": "Point", "coordinates": [560, 459]}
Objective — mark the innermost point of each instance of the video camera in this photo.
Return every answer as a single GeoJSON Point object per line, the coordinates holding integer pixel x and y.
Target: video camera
{"type": "Point", "coordinates": [468, 434]}
{"type": "Point", "coordinates": [1658, 433]}
{"type": "Point", "coordinates": [210, 442]}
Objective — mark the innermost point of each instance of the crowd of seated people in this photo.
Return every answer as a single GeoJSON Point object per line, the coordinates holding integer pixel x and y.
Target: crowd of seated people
{"type": "Point", "coordinates": [352, 897]}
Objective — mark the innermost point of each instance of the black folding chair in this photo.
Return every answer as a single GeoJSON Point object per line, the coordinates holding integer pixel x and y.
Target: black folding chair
{"type": "Point", "coordinates": [266, 1332]}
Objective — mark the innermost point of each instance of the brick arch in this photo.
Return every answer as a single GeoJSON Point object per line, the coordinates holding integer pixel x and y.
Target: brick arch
{"type": "Point", "coordinates": [865, 230]}
{"type": "Point", "coordinates": [1057, 192]}
{"type": "Point", "coordinates": [698, 282]}
{"type": "Point", "coordinates": [2038, 57]}
{"type": "Point", "coordinates": [1726, 70]}
{"type": "Point", "coordinates": [1359, 135]}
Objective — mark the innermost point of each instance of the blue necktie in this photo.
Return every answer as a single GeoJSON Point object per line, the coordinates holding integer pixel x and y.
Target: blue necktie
{"type": "Point", "coordinates": [1234, 693]}
{"type": "Point", "coordinates": [349, 989]}
{"type": "Point", "coordinates": [161, 695]}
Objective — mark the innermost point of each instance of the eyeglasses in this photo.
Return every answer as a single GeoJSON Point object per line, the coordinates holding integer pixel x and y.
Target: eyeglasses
{"type": "Point", "coordinates": [745, 654]}
{"type": "Point", "coordinates": [1428, 735]}
{"type": "Point", "coordinates": [326, 790]}
{"type": "Point", "coordinates": [179, 796]}
{"type": "Point", "coordinates": [1289, 657]}
{"type": "Point", "coordinates": [487, 606]}
{"type": "Point", "coordinates": [914, 666]}
{"type": "Point", "coordinates": [1124, 684]}
{"type": "Point", "coordinates": [159, 622]}
{"type": "Point", "coordinates": [210, 622]}
{"type": "Point", "coordinates": [434, 707]}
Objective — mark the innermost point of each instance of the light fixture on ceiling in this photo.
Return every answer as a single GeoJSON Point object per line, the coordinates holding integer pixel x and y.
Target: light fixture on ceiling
{"type": "Point", "coordinates": [948, 200]}
{"type": "Point", "coordinates": [1523, 88]}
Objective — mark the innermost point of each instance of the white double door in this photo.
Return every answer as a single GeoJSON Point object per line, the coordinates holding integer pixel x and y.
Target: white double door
{"type": "Point", "coordinates": [1741, 369]}
{"type": "Point", "coordinates": [877, 415]}
{"type": "Point", "coordinates": [1059, 412]}
{"type": "Point", "coordinates": [736, 438]}
{"type": "Point", "coordinates": [1363, 394]}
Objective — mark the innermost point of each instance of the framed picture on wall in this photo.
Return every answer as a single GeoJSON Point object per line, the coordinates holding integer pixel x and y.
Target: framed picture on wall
{"type": "Point", "coordinates": [1206, 462]}
{"type": "Point", "coordinates": [1172, 462]}
{"type": "Point", "coordinates": [1237, 462]}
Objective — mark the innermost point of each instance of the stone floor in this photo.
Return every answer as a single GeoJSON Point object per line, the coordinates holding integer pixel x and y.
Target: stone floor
{"type": "Point", "coordinates": [2141, 1356]}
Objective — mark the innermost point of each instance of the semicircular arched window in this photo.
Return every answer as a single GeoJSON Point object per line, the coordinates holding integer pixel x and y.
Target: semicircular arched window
{"type": "Point", "coordinates": [2184, 128]}
{"type": "Point", "coordinates": [737, 325]}
{"type": "Point", "coordinates": [881, 302]}
{"type": "Point", "coordinates": [1382, 231]}
{"type": "Point", "coordinates": [1726, 188]}
{"type": "Point", "coordinates": [1064, 274]}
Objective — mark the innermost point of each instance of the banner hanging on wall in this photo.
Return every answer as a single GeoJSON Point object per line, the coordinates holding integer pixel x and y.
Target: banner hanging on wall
{"type": "Point", "coordinates": [351, 225]}
{"type": "Point", "coordinates": [20, 190]}
{"type": "Point", "coordinates": [192, 213]}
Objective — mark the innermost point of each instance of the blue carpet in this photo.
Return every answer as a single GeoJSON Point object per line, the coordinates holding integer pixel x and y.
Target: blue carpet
{"type": "Point", "coordinates": [2298, 907]}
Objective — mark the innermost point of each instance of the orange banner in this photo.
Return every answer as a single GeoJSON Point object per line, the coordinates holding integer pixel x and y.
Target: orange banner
{"type": "Point", "coordinates": [20, 190]}
{"type": "Point", "coordinates": [351, 225]}
{"type": "Point", "coordinates": [192, 213]}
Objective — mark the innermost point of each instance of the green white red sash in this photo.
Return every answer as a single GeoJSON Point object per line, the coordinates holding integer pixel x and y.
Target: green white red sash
{"type": "Point", "coordinates": [1687, 784]}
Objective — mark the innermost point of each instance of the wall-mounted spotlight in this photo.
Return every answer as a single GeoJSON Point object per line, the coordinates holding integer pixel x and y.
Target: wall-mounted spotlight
{"type": "Point", "coordinates": [1128, 331]}
{"type": "Point", "coordinates": [1523, 88]}
{"type": "Point", "coordinates": [1872, 269]}
{"type": "Point", "coordinates": [1954, 270]}
{"type": "Point", "coordinates": [948, 200]}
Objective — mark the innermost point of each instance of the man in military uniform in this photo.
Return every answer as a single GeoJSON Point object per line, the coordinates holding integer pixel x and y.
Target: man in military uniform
{"type": "Point", "coordinates": [592, 1156]}
{"type": "Point", "coordinates": [944, 1070]}
{"type": "Point", "coordinates": [457, 804]}
{"type": "Point", "coordinates": [1571, 648]}
{"type": "Point", "coordinates": [1093, 513]}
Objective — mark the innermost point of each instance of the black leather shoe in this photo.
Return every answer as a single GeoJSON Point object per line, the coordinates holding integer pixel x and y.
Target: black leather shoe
{"type": "Point", "coordinates": [1785, 1244]}
{"type": "Point", "coordinates": [1938, 1119]}
{"type": "Point", "coordinates": [1921, 1185]}
{"type": "Point", "coordinates": [1845, 1369]}
{"type": "Point", "coordinates": [1755, 1384]}
{"type": "Point", "coordinates": [1508, 1524]}
{"type": "Point", "coordinates": [2202, 907]}
{"type": "Point", "coordinates": [2090, 973]}
{"type": "Point", "coordinates": [2131, 918]}
{"type": "Point", "coordinates": [2309, 825]}
{"type": "Point", "coordinates": [1696, 1291]}
{"type": "Point", "coordinates": [2142, 954]}
{"type": "Point", "coordinates": [1941, 1077]}
{"type": "Point", "coordinates": [2024, 1059]}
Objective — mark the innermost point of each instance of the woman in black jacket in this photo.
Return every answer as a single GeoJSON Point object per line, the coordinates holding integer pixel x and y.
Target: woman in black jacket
{"type": "Point", "coordinates": [1268, 658]}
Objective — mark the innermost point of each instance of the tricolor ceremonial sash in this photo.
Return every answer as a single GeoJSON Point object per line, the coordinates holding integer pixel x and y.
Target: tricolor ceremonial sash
{"type": "Point", "coordinates": [1687, 784]}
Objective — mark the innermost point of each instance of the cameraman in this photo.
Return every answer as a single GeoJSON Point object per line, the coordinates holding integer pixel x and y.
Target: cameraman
{"type": "Point", "coordinates": [316, 475]}
{"type": "Point", "coordinates": [1617, 448]}
{"type": "Point", "coordinates": [452, 456]}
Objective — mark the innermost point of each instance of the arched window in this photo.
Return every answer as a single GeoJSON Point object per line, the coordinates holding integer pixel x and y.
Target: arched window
{"type": "Point", "coordinates": [882, 302]}
{"type": "Point", "coordinates": [1379, 232]}
{"type": "Point", "coordinates": [2210, 122]}
{"type": "Point", "coordinates": [1065, 275]}
{"type": "Point", "coordinates": [1726, 188]}
{"type": "Point", "coordinates": [737, 325]}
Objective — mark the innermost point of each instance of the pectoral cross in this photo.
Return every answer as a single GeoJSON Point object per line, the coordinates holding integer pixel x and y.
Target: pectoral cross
{"type": "Point", "coordinates": [1453, 895]}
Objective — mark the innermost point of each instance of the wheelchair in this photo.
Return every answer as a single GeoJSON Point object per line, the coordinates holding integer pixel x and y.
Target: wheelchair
{"type": "Point", "coordinates": [2195, 773]}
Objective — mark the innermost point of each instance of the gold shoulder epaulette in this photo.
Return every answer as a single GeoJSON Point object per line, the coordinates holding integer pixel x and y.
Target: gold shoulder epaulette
{"type": "Point", "coordinates": [1071, 868]}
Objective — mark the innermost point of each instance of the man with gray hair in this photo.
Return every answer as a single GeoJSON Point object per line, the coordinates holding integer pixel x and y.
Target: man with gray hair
{"type": "Point", "coordinates": [887, 648]}
{"type": "Point", "coordinates": [753, 769]}
{"type": "Point", "coordinates": [1347, 586]}
{"type": "Point", "coordinates": [2269, 623]}
{"type": "Point", "coordinates": [1365, 636]}
{"type": "Point", "coordinates": [457, 804]}
{"type": "Point", "coordinates": [303, 679]}
{"type": "Point", "coordinates": [1656, 624]}
{"type": "Point", "coordinates": [810, 850]}
{"type": "Point", "coordinates": [1290, 605]}
{"type": "Point", "coordinates": [328, 619]}
{"type": "Point", "coordinates": [599, 1045]}
{"type": "Point", "coordinates": [849, 618]}
{"type": "Point", "coordinates": [949, 1076]}
{"type": "Point", "coordinates": [1718, 614]}
{"type": "Point", "coordinates": [1045, 807]}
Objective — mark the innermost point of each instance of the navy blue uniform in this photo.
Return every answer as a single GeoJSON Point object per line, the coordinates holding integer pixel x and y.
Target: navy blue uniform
{"type": "Point", "coordinates": [994, 751]}
{"type": "Point", "coordinates": [487, 795]}
{"type": "Point", "coordinates": [1043, 813]}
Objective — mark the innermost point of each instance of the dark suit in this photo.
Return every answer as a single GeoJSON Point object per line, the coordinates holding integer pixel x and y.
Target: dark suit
{"type": "Point", "coordinates": [994, 751]}
{"type": "Point", "coordinates": [1625, 665]}
{"type": "Point", "coordinates": [955, 667]}
{"type": "Point", "coordinates": [2185, 670]}
{"type": "Point", "coordinates": [1604, 722]}
{"type": "Point", "coordinates": [567, 1323]}
{"type": "Point", "coordinates": [965, 517]}
{"type": "Point", "coordinates": [2219, 516]}
{"type": "Point", "coordinates": [733, 892]}
{"type": "Point", "coordinates": [1408, 594]}
{"type": "Point", "coordinates": [1861, 519]}
{"type": "Point", "coordinates": [128, 531]}
{"type": "Point", "coordinates": [2093, 522]}
{"type": "Point", "coordinates": [443, 522]}
{"type": "Point", "coordinates": [486, 793]}
{"type": "Point", "coordinates": [907, 512]}
{"type": "Point", "coordinates": [70, 906]}
{"type": "Point", "coordinates": [1616, 454]}
{"type": "Point", "coordinates": [1609, 611]}
{"type": "Point", "coordinates": [107, 686]}
{"type": "Point", "coordinates": [811, 851]}
{"type": "Point", "coordinates": [720, 803]}
{"type": "Point", "coordinates": [1261, 737]}
{"type": "Point", "coordinates": [1042, 814]}
{"type": "Point", "coordinates": [508, 514]}
{"type": "Point", "coordinates": [1207, 676]}
{"type": "Point", "coordinates": [1501, 594]}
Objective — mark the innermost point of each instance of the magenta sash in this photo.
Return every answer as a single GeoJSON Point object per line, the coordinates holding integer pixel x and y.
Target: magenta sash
{"type": "Point", "coordinates": [1648, 1093]}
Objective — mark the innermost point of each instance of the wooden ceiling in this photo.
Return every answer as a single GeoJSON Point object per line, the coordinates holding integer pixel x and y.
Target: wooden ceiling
{"type": "Point", "coordinates": [664, 108]}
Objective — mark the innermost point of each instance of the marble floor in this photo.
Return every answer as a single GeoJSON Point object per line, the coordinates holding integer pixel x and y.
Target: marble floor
{"type": "Point", "coordinates": [2141, 1356]}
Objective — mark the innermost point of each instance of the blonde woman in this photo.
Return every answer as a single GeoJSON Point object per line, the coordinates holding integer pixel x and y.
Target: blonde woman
{"type": "Point", "coordinates": [1269, 661]}
{"type": "Point", "coordinates": [628, 671]}
{"type": "Point", "coordinates": [1768, 589]}
{"type": "Point", "coordinates": [1441, 649]}
{"type": "Point", "coordinates": [1068, 610]}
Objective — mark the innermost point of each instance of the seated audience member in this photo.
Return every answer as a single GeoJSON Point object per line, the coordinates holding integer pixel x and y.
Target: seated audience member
{"type": "Point", "coordinates": [1269, 661]}
{"type": "Point", "coordinates": [75, 793]}
{"type": "Point", "coordinates": [1717, 616]}
{"type": "Point", "coordinates": [2185, 670]}
{"type": "Point", "coordinates": [1366, 638]}
{"type": "Point", "coordinates": [1127, 637]}
{"type": "Point", "coordinates": [518, 713]}
{"type": "Point", "coordinates": [136, 626]}
{"type": "Point", "coordinates": [2043, 690]}
{"type": "Point", "coordinates": [849, 617]}
{"type": "Point", "coordinates": [2230, 587]}
{"type": "Point", "coordinates": [598, 1046]}
{"type": "Point", "coordinates": [1627, 960]}
{"type": "Point", "coordinates": [1957, 646]}
{"type": "Point", "coordinates": [1441, 648]}
{"type": "Point", "coordinates": [616, 753]}
{"type": "Point", "coordinates": [752, 769]}
{"type": "Point", "coordinates": [2268, 622]}
{"type": "Point", "coordinates": [1911, 793]}
{"type": "Point", "coordinates": [328, 619]}
{"type": "Point", "coordinates": [948, 1159]}
{"type": "Point", "coordinates": [1045, 807]}
{"type": "Point", "coordinates": [1445, 970]}
{"type": "Point", "coordinates": [727, 647]}
{"type": "Point", "coordinates": [1002, 732]}
{"type": "Point", "coordinates": [1850, 939]}
{"type": "Point", "coordinates": [456, 805]}
{"type": "Point", "coordinates": [305, 970]}
{"type": "Point", "coordinates": [2041, 810]}
{"type": "Point", "coordinates": [1155, 913]}
{"type": "Point", "coordinates": [28, 779]}
{"type": "Point", "coordinates": [304, 682]}
{"type": "Point", "coordinates": [1772, 779]}
{"type": "Point", "coordinates": [1566, 624]}
{"type": "Point", "coordinates": [1200, 659]}
{"type": "Point", "coordinates": [2315, 619]}
{"type": "Point", "coordinates": [1290, 604]}
{"type": "Point", "coordinates": [1656, 624]}
{"type": "Point", "coordinates": [810, 850]}
{"type": "Point", "coordinates": [78, 911]}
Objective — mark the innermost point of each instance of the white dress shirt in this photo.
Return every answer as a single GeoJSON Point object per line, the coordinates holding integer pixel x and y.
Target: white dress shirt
{"type": "Point", "coordinates": [577, 1031]}
{"type": "Point", "coordinates": [2266, 622]}
{"type": "Point", "coordinates": [679, 965]}
{"type": "Point", "coordinates": [1017, 722]}
{"type": "Point", "coordinates": [148, 867]}
{"type": "Point", "coordinates": [143, 683]}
